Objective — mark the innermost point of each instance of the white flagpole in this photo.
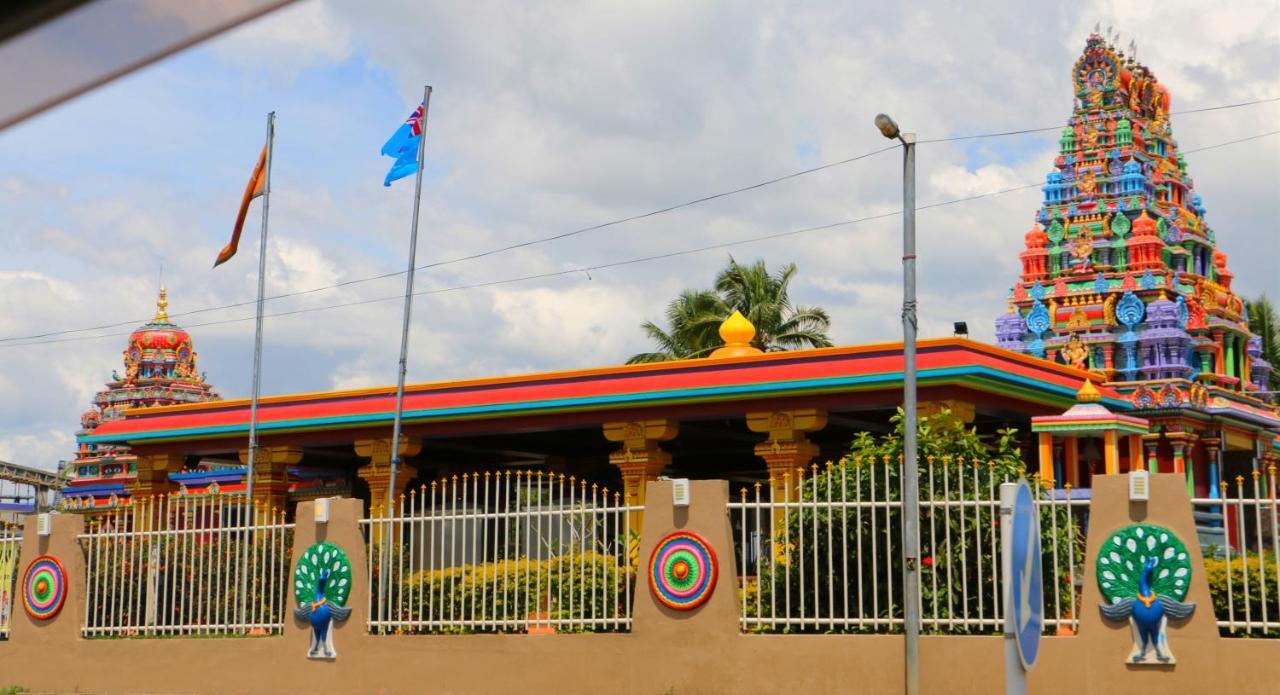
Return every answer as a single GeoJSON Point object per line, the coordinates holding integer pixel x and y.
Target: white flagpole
{"type": "Point", "coordinates": [404, 332]}
{"type": "Point", "coordinates": [247, 511]}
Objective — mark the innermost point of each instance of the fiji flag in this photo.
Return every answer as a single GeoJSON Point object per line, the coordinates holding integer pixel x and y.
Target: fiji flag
{"type": "Point", "coordinates": [403, 145]}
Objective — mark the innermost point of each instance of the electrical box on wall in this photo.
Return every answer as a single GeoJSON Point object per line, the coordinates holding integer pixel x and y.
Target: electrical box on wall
{"type": "Point", "coordinates": [44, 524]}
{"type": "Point", "coordinates": [1139, 486]}
{"type": "Point", "coordinates": [680, 492]}
{"type": "Point", "coordinates": [321, 507]}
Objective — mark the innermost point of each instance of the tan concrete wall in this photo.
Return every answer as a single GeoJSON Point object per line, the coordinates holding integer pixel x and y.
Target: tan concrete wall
{"type": "Point", "coordinates": [686, 653]}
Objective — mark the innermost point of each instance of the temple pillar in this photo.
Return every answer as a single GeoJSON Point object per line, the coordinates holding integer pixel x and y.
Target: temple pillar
{"type": "Point", "coordinates": [1152, 443]}
{"type": "Point", "coordinates": [641, 457]}
{"type": "Point", "coordinates": [271, 474]}
{"type": "Point", "coordinates": [1111, 452]}
{"type": "Point", "coordinates": [377, 472]}
{"type": "Point", "coordinates": [1228, 345]}
{"type": "Point", "coordinates": [152, 477]}
{"type": "Point", "coordinates": [1207, 363]}
{"type": "Point", "coordinates": [1212, 447]}
{"type": "Point", "coordinates": [1182, 461]}
{"type": "Point", "coordinates": [1108, 360]}
{"type": "Point", "coordinates": [787, 452]}
{"type": "Point", "coordinates": [1046, 459]}
{"type": "Point", "coordinates": [1219, 353]}
{"type": "Point", "coordinates": [1135, 453]}
{"type": "Point", "coordinates": [1071, 461]}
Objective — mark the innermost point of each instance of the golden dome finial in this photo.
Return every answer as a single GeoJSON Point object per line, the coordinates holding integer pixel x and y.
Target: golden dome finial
{"type": "Point", "coordinates": [1088, 393]}
{"type": "Point", "coordinates": [162, 305]}
{"type": "Point", "coordinates": [737, 333]}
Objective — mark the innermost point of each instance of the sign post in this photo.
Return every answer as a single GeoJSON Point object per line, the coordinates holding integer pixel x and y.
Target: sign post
{"type": "Point", "coordinates": [1023, 586]}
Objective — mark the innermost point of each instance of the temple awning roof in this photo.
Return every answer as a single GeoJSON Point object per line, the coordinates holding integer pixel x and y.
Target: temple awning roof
{"type": "Point", "coordinates": [1089, 416]}
{"type": "Point", "coordinates": [726, 386]}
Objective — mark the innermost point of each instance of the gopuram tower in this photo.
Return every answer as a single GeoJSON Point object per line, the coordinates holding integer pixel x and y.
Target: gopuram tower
{"type": "Point", "coordinates": [1121, 275]}
{"type": "Point", "coordinates": [159, 369]}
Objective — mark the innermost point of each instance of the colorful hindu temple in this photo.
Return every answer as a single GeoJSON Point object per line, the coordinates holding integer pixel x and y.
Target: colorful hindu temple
{"type": "Point", "coordinates": [1122, 276]}
{"type": "Point", "coordinates": [1122, 290]}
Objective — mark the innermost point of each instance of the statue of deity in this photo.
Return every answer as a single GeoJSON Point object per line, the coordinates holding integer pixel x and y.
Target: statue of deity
{"type": "Point", "coordinates": [1076, 353]}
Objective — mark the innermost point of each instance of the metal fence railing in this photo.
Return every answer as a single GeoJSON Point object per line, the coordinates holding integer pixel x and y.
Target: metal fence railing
{"type": "Point", "coordinates": [1243, 568]}
{"type": "Point", "coordinates": [186, 565]}
{"type": "Point", "coordinates": [822, 552]}
{"type": "Point", "coordinates": [502, 552]}
{"type": "Point", "coordinates": [10, 546]}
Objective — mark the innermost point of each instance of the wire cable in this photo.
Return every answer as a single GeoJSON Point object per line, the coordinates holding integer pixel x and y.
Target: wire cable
{"type": "Point", "coordinates": [617, 264]}
{"type": "Point", "coordinates": [1059, 127]}
{"type": "Point", "coordinates": [595, 227]}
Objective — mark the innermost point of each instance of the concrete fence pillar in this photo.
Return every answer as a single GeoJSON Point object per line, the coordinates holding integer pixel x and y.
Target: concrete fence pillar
{"type": "Point", "coordinates": [707, 515]}
{"type": "Point", "coordinates": [62, 544]}
{"type": "Point", "coordinates": [343, 530]}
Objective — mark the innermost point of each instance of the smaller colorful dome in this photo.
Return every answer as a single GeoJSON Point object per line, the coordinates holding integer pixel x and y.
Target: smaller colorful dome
{"type": "Point", "coordinates": [1144, 225]}
{"type": "Point", "coordinates": [737, 333]}
{"type": "Point", "coordinates": [1036, 238]}
{"type": "Point", "coordinates": [160, 350]}
{"type": "Point", "coordinates": [90, 419]}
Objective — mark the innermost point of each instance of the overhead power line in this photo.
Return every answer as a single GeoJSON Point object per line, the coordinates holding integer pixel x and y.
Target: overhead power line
{"type": "Point", "coordinates": [586, 270]}
{"type": "Point", "coordinates": [1027, 131]}
{"type": "Point", "coordinates": [595, 227]}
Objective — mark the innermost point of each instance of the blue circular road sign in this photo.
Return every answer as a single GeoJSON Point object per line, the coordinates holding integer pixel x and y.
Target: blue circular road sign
{"type": "Point", "coordinates": [1027, 611]}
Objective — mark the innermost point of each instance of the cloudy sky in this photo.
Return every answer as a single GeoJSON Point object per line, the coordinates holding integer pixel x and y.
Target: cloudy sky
{"type": "Point", "coordinates": [552, 118]}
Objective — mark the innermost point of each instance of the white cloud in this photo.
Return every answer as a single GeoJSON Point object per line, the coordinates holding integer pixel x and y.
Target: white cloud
{"type": "Point", "coordinates": [300, 36]}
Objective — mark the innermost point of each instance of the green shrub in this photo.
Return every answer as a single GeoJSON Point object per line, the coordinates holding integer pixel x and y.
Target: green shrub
{"type": "Point", "coordinates": [958, 544]}
{"type": "Point", "coordinates": [1235, 605]}
{"type": "Point", "coordinates": [579, 586]}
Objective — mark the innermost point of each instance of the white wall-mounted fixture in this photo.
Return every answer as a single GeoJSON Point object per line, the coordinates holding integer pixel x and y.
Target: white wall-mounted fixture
{"type": "Point", "coordinates": [321, 507]}
{"type": "Point", "coordinates": [44, 524]}
{"type": "Point", "coordinates": [1139, 486]}
{"type": "Point", "coordinates": [680, 492]}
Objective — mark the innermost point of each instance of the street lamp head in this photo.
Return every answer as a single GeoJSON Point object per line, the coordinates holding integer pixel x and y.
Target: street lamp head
{"type": "Point", "coordinates": [887, 126]}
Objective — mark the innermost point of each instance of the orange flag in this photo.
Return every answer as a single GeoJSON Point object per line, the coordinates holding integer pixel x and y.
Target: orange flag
{"type": "Point", "coordinates": [257, 184]}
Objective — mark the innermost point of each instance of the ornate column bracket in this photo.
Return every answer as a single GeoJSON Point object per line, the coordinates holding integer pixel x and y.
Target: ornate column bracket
{"type": "Point", "coordinates": [640, 458]}
{"type": "Point", "coordinates": [271, 473]}
{"type": "Point", "coordinates": [153, 474]}
{"type": "Point", "coordinates": [960, 410]}
{"type": "Point", "coordinates": [787, 451]}
{"type": "Point", "coordinates": [377, 472]}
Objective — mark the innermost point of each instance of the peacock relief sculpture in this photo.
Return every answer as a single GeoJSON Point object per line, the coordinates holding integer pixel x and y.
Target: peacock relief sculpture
{"type": "Point", "coordinates": [321, 585]}
{"type": "Point", "coordinates": [1144, 573]}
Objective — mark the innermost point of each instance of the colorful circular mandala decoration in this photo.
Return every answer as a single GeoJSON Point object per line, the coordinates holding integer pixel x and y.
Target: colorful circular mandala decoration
{"type": "Point", "coordinates": [44, 587]}
{"type": "Point", "coordinates": [683, 571]}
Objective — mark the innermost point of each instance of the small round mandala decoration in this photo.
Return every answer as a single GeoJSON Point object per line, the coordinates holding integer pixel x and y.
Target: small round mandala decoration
{"type": "Point", "coordinates": [683, 571]}
{"type": "Point", "coordinates": [44, 587]}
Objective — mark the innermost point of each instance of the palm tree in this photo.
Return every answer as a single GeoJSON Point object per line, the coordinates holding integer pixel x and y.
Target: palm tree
{"type": "Point", "coordinates": [695, 316]}
{"type": "Point", "coordinates": [763, 298]}
{"type": "Point", "coordinates": [1264, 323]}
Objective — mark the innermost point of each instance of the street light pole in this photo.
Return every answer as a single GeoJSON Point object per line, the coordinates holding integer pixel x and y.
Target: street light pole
{"type": "Point", "coordinates": [910, 466]}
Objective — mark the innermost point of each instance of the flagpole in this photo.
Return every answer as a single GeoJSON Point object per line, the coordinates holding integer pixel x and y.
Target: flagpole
{"type": "Point", "coordinates": [408, 312]}
{"type": "Point", "coordinates": [247, 516]}
{"type": "Point", "coordinates": [257, 335]}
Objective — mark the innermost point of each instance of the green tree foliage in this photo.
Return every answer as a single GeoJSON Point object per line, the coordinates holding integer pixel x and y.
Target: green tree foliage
{"type": "Point", "coordinates": [1265, 323]}
{"type": "Point", "coordinates": [694, 317]}
{"type": "Point", "coordinates": [960, 476]}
